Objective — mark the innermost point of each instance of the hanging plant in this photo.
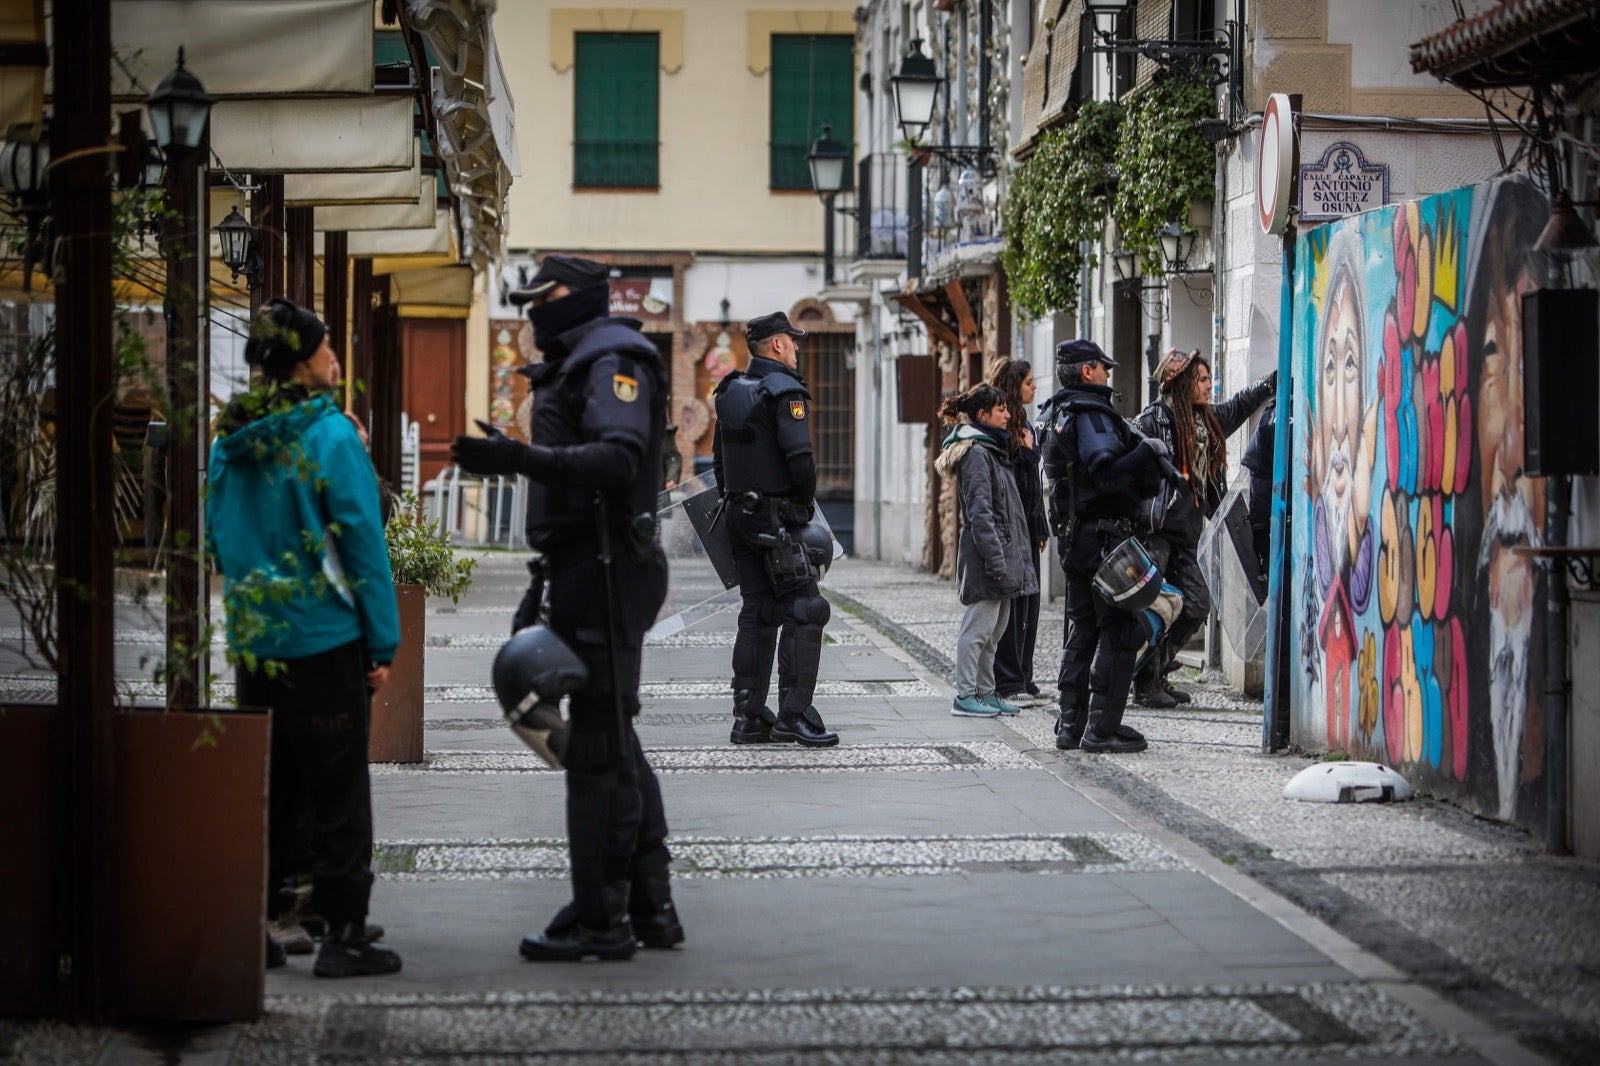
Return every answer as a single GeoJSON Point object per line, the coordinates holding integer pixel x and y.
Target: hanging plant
{"type": "Point", "coordinates": [1162, 161]}
{"type": "Point", "coordinates": [1057, 203]}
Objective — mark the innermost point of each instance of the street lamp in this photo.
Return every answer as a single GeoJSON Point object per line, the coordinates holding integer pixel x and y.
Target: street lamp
{"type": "Point", "coordinates": [179, 109]}
{"type": "Point", "coordinates": [1177, 244]}
{"type": "Point", "coordinates": [24, 159]}
{"type": "Point", "coordinates": [238, 239]}
{"type": "Point", "coordinates": [1127, 265]}
{"type": "Point", "coordinates": [827, 159]}
{"type": "Point", "coordinates": [1210, 55]}
{"type": "Point", "coordinates": [915, 86]}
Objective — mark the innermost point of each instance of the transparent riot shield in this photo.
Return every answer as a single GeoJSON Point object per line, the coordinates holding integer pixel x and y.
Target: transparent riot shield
{"type": "Point", "coordinates": [701, 580]}
{"type": "Point", "coordinates": [1238, 587]}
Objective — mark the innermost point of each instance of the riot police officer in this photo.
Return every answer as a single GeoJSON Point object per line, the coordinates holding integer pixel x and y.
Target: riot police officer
{"type": "Point", "coordinates": [764, 463]}
{"type": "Point", "coordinates": [1099, 471]}
{"type": "Point", "coordinates": [594, 466]}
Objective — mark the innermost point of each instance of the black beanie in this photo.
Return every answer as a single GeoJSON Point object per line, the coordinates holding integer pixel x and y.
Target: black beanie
{"type": "Point", "coordinates": [282, 335]}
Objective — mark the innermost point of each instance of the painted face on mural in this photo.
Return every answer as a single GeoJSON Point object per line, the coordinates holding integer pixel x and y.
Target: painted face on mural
{"type": "Point", "coordinates": [1340, 358]}
{"type": "Point", "coordinates": [1512, 503]}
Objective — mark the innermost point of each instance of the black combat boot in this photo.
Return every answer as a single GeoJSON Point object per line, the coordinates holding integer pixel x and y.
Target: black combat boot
{"type": "Point", "coordinates": [752, 718]}
{"type": "Point", "coordinates": [650, 910]}
{"type": "Point", "coordinates": [276, 956]}
{"type": "Point", "coordinates": [798, 720]}
{"type": "Point", "coordinates": [1171, 664]}
{"type": "Point", "coordinates": [1150, 690]}
{"type": "Point", "coordinates": [1106, 734]}
{"type": "Point", "coordinates": [569, 940]}
{"type": "Point", "coordinates": [1069, 725]}
{"type": "Point", "coordinates": [346, 952]}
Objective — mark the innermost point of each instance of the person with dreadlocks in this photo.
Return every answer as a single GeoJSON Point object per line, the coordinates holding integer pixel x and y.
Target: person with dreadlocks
{"type": "Point", "coordinates": [1196, 432]}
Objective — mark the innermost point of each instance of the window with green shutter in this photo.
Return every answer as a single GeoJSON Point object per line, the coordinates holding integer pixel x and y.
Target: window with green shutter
{"type": "Point", "coordinates": [617, 110]}
{"type": "Point", "coordinates": [813, 81]}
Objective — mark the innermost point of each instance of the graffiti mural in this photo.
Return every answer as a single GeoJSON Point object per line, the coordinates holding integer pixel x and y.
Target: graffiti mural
{"type": "Point", "coordinates": [1417, 631]}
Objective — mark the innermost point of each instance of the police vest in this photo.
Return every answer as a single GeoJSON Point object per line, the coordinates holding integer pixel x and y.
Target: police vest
{"type": "Point", "coordinates": [755, 448]}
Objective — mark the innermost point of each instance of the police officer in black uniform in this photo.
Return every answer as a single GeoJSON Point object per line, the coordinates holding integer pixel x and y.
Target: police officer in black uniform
{"type": "Point", "coordinates": [764, 463]}
{"type": "Point", "coordinates": [594, 467]}
{"type": "Point", "coordinates": [1099, 471]}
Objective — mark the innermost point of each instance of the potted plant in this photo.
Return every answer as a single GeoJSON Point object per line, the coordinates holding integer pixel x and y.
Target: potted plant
{"type": "Point", "coordinates": [423, 565]}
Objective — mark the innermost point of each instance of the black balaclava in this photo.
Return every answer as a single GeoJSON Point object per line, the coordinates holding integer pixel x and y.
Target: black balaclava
{"type": "Point", "coordinates": [282, 335]}
{"type": "Point", "coordinates": [552, 319]}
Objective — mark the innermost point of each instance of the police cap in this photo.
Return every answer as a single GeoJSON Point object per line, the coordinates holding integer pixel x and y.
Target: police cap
{"type": "Point", "coordinates": [573, 271]}
{"type": "Point", "coordinates": [1079, 350]}
{"type": "Point", "coordinates": [764, 326]}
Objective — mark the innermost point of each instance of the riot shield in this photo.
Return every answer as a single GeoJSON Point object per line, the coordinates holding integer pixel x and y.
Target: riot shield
{"type": "Point", "coordinates": [701, 580]}
{"type": "Point", "coordinates": [1238, 588]}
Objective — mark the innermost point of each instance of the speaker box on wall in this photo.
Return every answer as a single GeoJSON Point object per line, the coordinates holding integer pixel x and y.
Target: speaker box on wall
{"type": "Point", "coordinates": [1561, 382]}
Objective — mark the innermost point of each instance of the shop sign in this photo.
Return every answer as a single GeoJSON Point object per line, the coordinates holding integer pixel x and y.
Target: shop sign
{"type": "Point", "coordinates": [1341, 183]}
{"type": "Point", "coordinates": [648, 299]}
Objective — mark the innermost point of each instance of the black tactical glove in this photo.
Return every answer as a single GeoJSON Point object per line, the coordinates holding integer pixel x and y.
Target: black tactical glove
{"type": "Point", "coordinates": [794, 513]}
{"type": "Point", "coordinates": [493, 453]}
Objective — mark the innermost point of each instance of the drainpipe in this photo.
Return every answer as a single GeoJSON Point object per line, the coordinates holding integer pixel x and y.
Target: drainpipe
{"type": "Point", "coordinates": [877, 429]}
{"type": "Point", "coordinates": [1557, 512]}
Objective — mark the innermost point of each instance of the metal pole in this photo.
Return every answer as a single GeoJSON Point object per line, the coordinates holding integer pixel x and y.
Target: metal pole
{"type": "Point", "coordinates": [914, 218]}
{"type": "Point", "coordinates": [827, 238]}
{"type": "Point", "coordinates": [1275, 699]}
{"type": "Point", "coordinates": [1557, 685]}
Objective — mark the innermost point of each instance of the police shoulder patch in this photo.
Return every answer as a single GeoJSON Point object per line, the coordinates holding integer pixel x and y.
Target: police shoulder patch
{"type": "Point", "coordinates": [797, 409]}
{"type": "Point", "coordinates": [625, 388]}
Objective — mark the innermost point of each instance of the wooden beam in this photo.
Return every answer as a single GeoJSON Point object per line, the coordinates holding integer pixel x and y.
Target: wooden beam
{"type": "Point", "coordinates": [938, 328]}
{"type": "Point", "coordinates": [971, 335]}
{"type": "Point", "coordinates": [300, 231]}
{"type": "Point", "coordinates": [268, 203]}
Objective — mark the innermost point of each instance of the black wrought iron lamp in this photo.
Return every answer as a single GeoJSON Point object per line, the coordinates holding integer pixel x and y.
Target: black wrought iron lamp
{"type": "Point", "coordinates": [24, 159]}
{"type": "Point", "coordinates": [828, 159]}
{"type": "Point", "coordinates": [916, 86]}
{"type": "Point", "coordinates": [179, 109]}
{"type": "Point", "coordinates": [1211, 55]}
{"type": "Point", "coordinates": [1177, 245]}
{"type": "Point", "coordinates": [239, 252]}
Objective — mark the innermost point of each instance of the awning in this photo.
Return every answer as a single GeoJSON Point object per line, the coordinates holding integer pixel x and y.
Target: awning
{"type": "Point", "coordinates": [22, 31]}
{"type": "Point", "coordinates": [244, 47]}
{"type": "Point", "coordinates": [1519, 42]}
{"type": "Point", "coordinates": [351, 217]}
{"type": "Point", "coordinates": [474, 115]}
{"type": "Point", "coordinates": [434, 240]}
{"type": "Point", "coordinates": [449, 286]}
{"type": "Point", "coordinates": [384, 187]}
{"type": "Point", "coordinates": [332, 134]}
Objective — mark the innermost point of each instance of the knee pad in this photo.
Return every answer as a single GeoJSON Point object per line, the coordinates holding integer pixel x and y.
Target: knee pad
{"type": "Point", "coordinates": [1133, 635]}
{"type": "Point", "coordinates": [809, 609]}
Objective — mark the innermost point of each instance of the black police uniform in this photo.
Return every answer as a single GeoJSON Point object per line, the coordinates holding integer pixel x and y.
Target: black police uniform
{"type": "Point", "coordinates": [594, 467]}
{"type": "Point", "coordinates": [1100, 472]}
{"type": "Point", "coordinates": [763, 460]}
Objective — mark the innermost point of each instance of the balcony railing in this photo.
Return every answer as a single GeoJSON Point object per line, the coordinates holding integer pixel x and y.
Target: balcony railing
{"type": "Point", "coordinates": [880, 223]}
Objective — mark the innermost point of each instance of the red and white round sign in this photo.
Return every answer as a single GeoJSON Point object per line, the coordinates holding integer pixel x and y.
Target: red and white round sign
{"type": "Point", "coordinates": [1275, 164]}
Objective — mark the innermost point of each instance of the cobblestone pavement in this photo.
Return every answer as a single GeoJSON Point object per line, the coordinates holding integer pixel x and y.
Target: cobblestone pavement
{"type": "Point", "coordinates": [934, 890]}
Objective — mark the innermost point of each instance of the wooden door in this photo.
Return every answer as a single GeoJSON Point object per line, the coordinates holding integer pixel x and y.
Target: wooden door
{"type": "Point", "coordinates": [434, 355]}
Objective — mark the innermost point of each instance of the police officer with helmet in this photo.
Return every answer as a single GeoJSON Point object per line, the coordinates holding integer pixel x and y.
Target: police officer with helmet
{"type": "Point", "coordinates": [763, 462]}
{"type": "Point", "coordinates": [1099, 470]}
{"type": "Point", "coordinates": [594, 467]}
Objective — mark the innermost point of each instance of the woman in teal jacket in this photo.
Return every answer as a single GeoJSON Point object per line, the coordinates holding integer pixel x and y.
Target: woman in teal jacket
{"type": "Point", "coordinates": [293, 523]}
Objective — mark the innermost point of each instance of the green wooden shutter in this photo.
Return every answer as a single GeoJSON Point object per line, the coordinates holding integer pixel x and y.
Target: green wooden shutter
{"type": "Point", "coordinates": [813, 81]}
{"type": "Point", "coordinates": [617, 110]}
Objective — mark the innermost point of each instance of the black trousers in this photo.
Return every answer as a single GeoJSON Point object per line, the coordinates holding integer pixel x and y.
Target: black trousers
{"type": "Point", "coordinates": [1013, 660]}
{"type": "Point", "coordinates": [1100, 641]}
{"type": "Point", "coordinates": [792, 617]}
{"type": "Point", "coordinates": [319, 798]}
{"type": "Point", "coordinates": [616, 820]}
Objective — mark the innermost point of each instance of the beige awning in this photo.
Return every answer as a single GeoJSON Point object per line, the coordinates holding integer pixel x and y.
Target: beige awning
{"type": "Point", "coordinates": [352, 217]}
{"type": "Point", "coordinates": [449, 286]}
{"type": "Point", "coordinates": [309, 136]}
{"type": "Point", "coordinates": [244, 47]}
{"type": "Point", "coordinates": [385, 187]}
{"type": "Point", "coordinates": [21, 87]}
{"type": "Point", "coordinates": [435, 240]}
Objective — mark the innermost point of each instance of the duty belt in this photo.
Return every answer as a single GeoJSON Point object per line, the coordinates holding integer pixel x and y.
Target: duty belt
{"type": "Point", "coordinates": [1107, 525]}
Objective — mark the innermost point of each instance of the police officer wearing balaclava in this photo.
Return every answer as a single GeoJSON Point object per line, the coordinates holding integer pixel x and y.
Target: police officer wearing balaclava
{"type": "Point", "coordinates": [594, 467]}
{"type": "Point", "coordinates": [1099, 472]}
{"type": "Point", "coordinates": [764, 464]}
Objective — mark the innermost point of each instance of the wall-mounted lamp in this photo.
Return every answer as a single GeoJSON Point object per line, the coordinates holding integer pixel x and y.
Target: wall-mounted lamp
{"type": "Point", "coordinates": [1210, 55]}
{"type": "Point", "coordinates": [828, 160]}
{"type": "Point", "coordinates": [179, 110]}
{"type": "Point", "coordinates": [1177, 244]}
{"type": "Point", "coordinates": [915, 87]}
{"type": "Point", "coordinates": [239, 251]}
{"type": "Point", "coordinates": [24, 159]}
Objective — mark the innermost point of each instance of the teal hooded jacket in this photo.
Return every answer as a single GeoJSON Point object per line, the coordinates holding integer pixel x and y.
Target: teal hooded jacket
{"type": "Point", "coordinates": [293, 523]}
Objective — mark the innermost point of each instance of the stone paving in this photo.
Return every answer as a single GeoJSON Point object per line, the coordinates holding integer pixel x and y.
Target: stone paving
{"type": "Point", "coordinates": [933, 890]}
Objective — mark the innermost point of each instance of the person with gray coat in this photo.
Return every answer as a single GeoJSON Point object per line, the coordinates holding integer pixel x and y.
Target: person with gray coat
{"type": "Point", "coordinates": [993, 563]}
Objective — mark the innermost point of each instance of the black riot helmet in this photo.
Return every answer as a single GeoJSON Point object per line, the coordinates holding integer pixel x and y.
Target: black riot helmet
{"type": "Point", "coordinates": [817, 540]}
{"type": "Point", "coordinates": [532, 671]}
